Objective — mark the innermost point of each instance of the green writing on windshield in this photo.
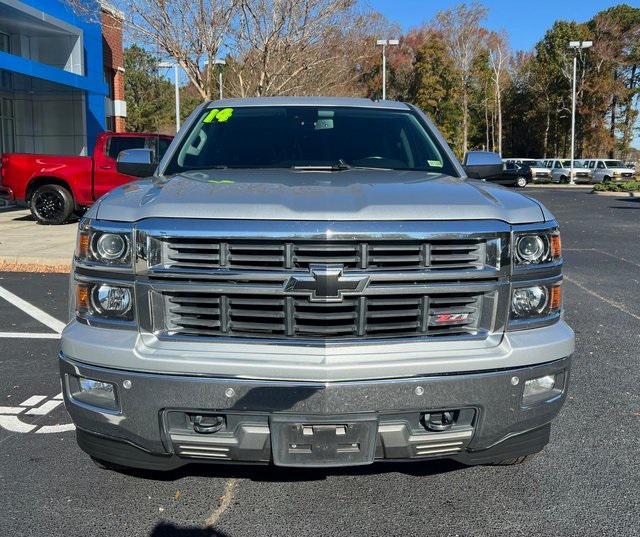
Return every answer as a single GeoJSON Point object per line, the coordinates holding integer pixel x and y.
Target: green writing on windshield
{"type": "Point", "coordinates": [220, 116]}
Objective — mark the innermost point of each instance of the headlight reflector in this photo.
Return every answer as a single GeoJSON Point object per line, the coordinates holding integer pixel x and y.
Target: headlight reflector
{"type": "Point", "coordinates": [100, 301]}
{"type": "Point", "coordinates": [111, 246]}
{"type": "Point", "coordinates": [529, 301]}
{"type": "Point", "coordinates": [536, 302]}
{"type": "Point", "coordinates": [530, 248]}
{"type": "Point", "coordinates": [104, 243]}
{"type": "Point", "coordinates": [112, 300]}
{"type": "Point", "coordinates": [536, 247]}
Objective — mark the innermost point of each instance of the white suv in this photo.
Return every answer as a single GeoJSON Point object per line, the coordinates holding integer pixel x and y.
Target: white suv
{"type": "Point", "coordinates": [604, 170]}
{"type": "Point", "coordinates": [561, 171]}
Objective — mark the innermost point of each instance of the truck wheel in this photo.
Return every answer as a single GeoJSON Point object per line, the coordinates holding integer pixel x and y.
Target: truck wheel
{"type": "Point", "coordinates": [521, 182]}
{"type": "Point", "coordinates": [51, 204]}
{"type": "Point", "coordinates": [606, 179]}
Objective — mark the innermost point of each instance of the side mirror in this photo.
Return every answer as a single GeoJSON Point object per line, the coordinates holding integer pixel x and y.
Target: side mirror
{"type": "Point", "coordinates": [136, 162]}
{"type": "Point", "coordinates": [482, 164]}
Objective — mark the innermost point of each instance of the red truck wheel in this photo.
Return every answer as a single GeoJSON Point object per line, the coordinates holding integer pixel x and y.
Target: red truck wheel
{"type": "Point", "coordinates": [51, 204]}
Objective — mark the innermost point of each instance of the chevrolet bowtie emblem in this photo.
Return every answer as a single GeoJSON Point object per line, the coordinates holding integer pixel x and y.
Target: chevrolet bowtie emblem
{"type": "Point", "coordinates": [325, 283]}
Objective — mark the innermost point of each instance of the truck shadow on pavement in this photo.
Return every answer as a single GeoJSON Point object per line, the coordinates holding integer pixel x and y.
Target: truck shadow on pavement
{"type": "Point", "coordinates": [274, 474]}
{"type": "Point", "coordinates": [167, 529]}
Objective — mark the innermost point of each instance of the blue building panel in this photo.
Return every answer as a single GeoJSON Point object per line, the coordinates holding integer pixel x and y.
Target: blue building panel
{"type": "Point", "coordinates": [82, 74]}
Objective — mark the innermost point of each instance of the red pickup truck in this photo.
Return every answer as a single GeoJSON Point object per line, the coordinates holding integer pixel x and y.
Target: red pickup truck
{"type": "Point", "coordinates": [56, 187]}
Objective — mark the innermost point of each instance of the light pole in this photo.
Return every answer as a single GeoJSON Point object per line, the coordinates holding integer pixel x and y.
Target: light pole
{"type": "Point", "coordinates": [169, 65]}
{"type": "Point", "coordinates": [576, 46]}
{"type": "Point", "coordinates": [384, 43]}
{"type": "Point", "coordinates": [221, 63]}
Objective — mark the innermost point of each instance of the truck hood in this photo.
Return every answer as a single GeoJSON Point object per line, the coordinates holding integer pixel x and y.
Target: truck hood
{"type": "Point", "coordinates": [281, 194]}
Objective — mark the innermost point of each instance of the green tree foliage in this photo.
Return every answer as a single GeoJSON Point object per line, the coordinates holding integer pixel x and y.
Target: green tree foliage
{"type": "Point", "coordinates": [150, 97]}
{"type": "Point", "coordinates": [533, 90]}
{"type": "Point", "coordinates": [435, 87]}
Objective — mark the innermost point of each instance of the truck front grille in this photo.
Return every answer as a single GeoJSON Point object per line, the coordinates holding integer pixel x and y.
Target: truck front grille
{"type": "Point", "coordinates": [206, 314]}
{"type": "Point", "coordinates": [203, 253]}
{"type": "Point", "coordinates": [322, 281]}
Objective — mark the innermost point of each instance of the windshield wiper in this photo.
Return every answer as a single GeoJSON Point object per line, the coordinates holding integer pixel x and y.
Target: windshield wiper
{"type": "Point", "coordinates": [339, 166]}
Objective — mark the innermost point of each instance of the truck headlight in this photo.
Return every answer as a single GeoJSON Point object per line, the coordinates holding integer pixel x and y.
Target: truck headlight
{"type": "Point", "coordinates": [104, 243]}
{"type": "Point", "coordinates": [536, 248]}
{"type": "Point", "coordinates": [536, 302]}
{"type": "Point", "coordinates": [96, 301]}
{"type": "Point", "coordinates": [111, 246]}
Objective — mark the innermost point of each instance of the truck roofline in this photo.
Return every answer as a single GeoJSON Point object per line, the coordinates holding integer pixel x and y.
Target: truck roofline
{"type": "Point", "coordinates": [309, 101]}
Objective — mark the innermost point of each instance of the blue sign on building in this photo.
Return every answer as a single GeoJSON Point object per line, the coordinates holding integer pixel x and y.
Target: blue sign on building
{"type": "Point", "coordinates": [52, 81]}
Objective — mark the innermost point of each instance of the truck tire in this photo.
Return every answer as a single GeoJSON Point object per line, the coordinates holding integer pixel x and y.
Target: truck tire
{"type": "Point", "coordinates": [51, 204]}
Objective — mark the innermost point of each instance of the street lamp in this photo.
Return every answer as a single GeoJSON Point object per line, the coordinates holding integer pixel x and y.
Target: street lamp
{"type": "Point", "coordinates": [384, 43]}
{"type": "Point", "coordinates": [220, 63]}
{"type": "Point", "coordinates": [576, 46]}
{"type": "Point", "coordinates": [169, 65]}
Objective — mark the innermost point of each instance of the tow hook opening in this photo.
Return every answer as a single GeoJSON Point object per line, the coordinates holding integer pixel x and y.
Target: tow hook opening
{"type": "Point", "coordinates": [207, 424]}
{"type": "Point", "coordinates": [439, 421]}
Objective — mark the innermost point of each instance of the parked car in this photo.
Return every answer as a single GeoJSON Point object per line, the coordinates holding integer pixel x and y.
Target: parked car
{"type": "Point", "coordinates": [55, 186]}
{"type": "Point", "coordinates": [605, 170]}
{"type": "Point", "coordinates": [561, 171]}
{"type": "Point", "coordinates": [539, 172]}
{"type": "Point", "coordinates": [314, 282]}
{"type": "Point", "coordinates": [512, 174]}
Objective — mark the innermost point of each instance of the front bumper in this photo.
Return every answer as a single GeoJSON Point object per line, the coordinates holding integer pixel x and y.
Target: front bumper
{"type": "Point", "coordinates": [148, 428]}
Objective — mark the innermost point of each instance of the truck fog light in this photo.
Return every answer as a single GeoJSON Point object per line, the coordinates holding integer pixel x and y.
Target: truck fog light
{"type": "Point", "coordinates": [529, 301]}
{"type": "Point", "coordinates": [112, 300]}
{"type": "Point", "coordinates": [537, 387]}
{"type": "Point", "coordinates": [93, 392]}
{"type": "Point", "coordinates": [111, 246]}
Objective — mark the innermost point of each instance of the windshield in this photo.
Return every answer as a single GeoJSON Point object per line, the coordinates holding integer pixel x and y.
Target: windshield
{"type": "Point", "coordinates": [614, 164]}
{"type": "Point", "coordinates": [576, 164]}
{"type": "Point", "coordinates": [332, 138]}
{"type": "Point", "coordinates": [537, 164]}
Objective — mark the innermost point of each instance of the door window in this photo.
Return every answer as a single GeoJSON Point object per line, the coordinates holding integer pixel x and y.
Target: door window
{"type": "Point", "coordinates": [600, 165]}
{"type": "Point", "coordinates": [116, 144]}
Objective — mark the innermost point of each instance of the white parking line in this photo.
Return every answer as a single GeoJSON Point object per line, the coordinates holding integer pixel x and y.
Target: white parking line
{"type": "Point", "coordinates": [30, 309]}
{"type": "Point", "coordinates": [28, 335]}
{"type": "Point", "coordinates": [33, 400]}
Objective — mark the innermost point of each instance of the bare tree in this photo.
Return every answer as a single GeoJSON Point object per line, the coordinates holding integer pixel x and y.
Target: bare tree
{"type": "Point", "coordinates": [191, 32]}
{"type": "Point", "coordinates": [282, 47]}
{"type": "Point", "coordinates": [461, 26]}
{"type": "Point", "coordinates": [499, 58]}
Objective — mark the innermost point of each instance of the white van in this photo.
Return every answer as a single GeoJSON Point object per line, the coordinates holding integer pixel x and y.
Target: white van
{"type": "Point", "coordinates": [605, 170]}
{"type": "Point", "coordinates": [561, 171]}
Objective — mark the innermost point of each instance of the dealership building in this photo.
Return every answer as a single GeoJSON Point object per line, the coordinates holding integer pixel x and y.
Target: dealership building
{"type": "Point", "coordinates": [61, 76]}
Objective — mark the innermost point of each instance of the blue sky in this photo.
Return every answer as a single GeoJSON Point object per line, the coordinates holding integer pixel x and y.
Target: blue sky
{"type": "Point", "coordinates": [525, 21]}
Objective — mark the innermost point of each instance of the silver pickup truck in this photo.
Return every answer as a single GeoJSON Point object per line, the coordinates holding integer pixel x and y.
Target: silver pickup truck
{"type": "Point", "coordinates": [314, 282]}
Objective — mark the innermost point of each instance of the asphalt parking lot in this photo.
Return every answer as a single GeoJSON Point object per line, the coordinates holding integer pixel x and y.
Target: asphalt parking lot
{"type": "Point", "coordinates": [586, 482]}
